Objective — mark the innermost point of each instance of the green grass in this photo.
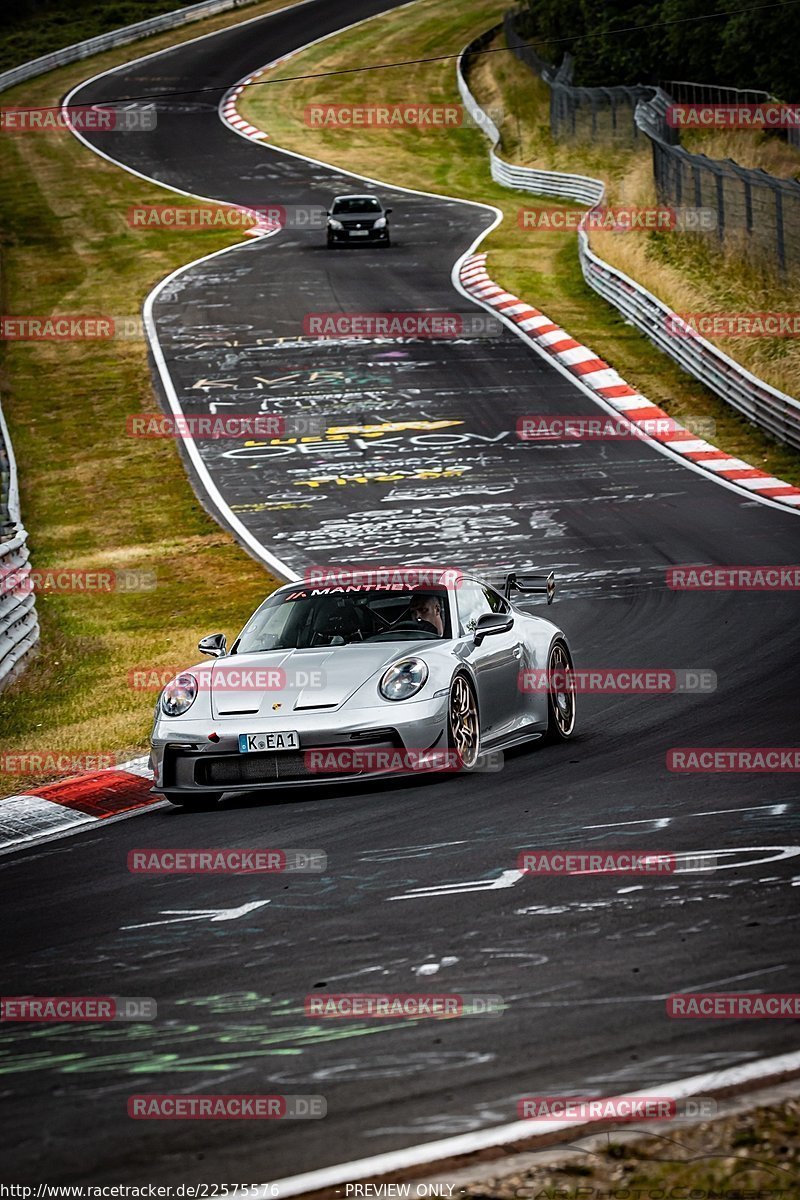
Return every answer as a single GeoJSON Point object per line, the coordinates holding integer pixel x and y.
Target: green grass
{"type": "Point", "coordinates": [93, 498]}
{"type": "Point", "coordinates": [540, 266]}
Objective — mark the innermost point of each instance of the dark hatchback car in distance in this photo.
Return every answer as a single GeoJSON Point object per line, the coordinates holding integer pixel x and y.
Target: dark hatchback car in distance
{"type": "Point", "coordinates": [354, 219]}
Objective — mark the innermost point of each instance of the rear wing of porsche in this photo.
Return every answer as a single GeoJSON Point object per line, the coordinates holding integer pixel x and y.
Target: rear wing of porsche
{"type": "Point", "coordinates": [540, 583]}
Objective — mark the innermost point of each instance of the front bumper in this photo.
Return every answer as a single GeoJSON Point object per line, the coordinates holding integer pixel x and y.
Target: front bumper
{"type": "Point", "coordinates": [356, 236]}
{"type": "Point", "coordinates": [184, 760]}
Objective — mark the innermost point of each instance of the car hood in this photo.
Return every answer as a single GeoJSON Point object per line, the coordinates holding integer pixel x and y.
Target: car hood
{"type": "Point", "coordinates": [278, 682]}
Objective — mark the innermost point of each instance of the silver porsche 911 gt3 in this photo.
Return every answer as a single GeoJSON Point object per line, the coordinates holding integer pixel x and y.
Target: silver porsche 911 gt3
{"type": "Point", "coordinates": [333, 681]}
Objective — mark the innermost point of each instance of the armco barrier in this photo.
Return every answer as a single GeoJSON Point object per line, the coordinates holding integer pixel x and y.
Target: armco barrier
{"type": "Point", "coordinates": [769, 409]}
{"type": "Point", "coordinates": [580, 188]}
{"type": "Point", "coordinates": [116, 37]}
{"type": "Point", "coordinates": [19, 625]}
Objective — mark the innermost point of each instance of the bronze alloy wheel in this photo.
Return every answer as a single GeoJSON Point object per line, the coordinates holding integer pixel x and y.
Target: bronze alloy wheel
{"type": "Point", "coordinates": [463, 724]}
{"type": "Point", "coordinates": [561, 697]}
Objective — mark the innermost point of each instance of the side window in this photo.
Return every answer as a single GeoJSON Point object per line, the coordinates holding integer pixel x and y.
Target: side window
{"type": "Point", "coordinates": [473, 601]}
{"type": "Point", "coordinates": [497, 603]}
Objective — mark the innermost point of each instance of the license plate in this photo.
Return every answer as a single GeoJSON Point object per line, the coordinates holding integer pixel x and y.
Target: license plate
{"type": "Point", "coordinates": [359, 233]}
{"type": "Point", "coordinates": [250, 743]}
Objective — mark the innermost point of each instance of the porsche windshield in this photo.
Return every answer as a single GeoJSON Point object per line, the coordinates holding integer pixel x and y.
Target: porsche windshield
{"type": "Point", "coordinates": [312, 617]}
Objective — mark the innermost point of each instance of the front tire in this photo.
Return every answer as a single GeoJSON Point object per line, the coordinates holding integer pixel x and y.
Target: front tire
{"type": "Point", "coordinates": [201, 802]}
{"type": "Point", "coordinates": [463, 725]}
{"type": "Point", "coordinates": [561, 701]}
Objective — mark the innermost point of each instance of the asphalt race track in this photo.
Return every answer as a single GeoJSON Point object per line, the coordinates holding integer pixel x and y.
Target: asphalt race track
{"type": "Point", "coordinates": [583, 963]}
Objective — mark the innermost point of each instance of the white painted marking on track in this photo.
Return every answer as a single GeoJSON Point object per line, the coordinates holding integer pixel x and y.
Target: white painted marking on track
{"type": "Point", "coordinates": [775, 810]}
{"type": "Point", "coordinates": [178, 915]}
{"type": "Point", "coordinates": [506, 879]}
{"type": "Point", "coordinates": [656, 822]}
{"type": "Point", "coordinates": [433, 968]}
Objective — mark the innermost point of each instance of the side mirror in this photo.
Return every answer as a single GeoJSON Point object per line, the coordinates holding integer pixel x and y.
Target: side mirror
{"type": "Point", "coordinates": [386, 211]}
{"type": "Point", "coordinates": [214, 644]}
{"type": "Point", "coordinates": [490, 623]}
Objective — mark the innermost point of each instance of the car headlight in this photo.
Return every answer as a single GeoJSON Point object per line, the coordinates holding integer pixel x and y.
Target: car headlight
{"type": "Point", "coordinates": [179, 695]}
{"type": "Point", "coordinates": [335, 224]}
{"type": "Point", "coordinates": [380, 223]}
{"type": "Point", "coordinates": [403, 679]}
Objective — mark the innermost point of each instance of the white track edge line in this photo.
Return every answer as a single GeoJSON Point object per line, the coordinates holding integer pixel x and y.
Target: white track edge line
{"type": "Point", "coordinates": [499, 1135]}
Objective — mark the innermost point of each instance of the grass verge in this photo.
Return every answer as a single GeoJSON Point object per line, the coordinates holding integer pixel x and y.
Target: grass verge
{"type": "Point", "coordinates": [540, 266]}
{"type": "Point", "coordinates": [93, 498]}
{"type": "Point", "coordinates": [752, 1154]}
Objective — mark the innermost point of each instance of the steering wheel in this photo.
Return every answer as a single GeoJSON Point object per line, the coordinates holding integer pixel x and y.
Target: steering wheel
{"type": "Point", "coordinates": [421, 626]}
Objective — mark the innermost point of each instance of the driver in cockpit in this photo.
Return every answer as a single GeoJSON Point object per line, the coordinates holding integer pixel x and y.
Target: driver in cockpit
{"type": "Point", "coordinates": [427, 611]}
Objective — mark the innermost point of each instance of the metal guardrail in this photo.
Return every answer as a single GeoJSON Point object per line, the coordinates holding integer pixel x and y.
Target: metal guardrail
{"type": "Point", "coordinates": [19, 624]}
{"type": "Point", "coordinates": [764, 405]}
{"type": "Point", "coordinates": [580, 188]}
{"type": "Point", "coordinates": [687, 92]}
{"type": "Point", "coordinates": [579, 113]}
{"type": "Point", "coordinates": [758, 212]}
{"type": "Point", "coordinates": [768, 408]}
{"type": "Point", "coordinates": [116, 37]}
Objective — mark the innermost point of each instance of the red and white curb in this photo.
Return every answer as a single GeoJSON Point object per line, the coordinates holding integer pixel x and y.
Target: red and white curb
{"type": "Point", "coordinates": [230, 113]}
{"type": "Point", "coordinates": [72, 804]}
{"type": "Point", "coordinates": [609, 386]}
